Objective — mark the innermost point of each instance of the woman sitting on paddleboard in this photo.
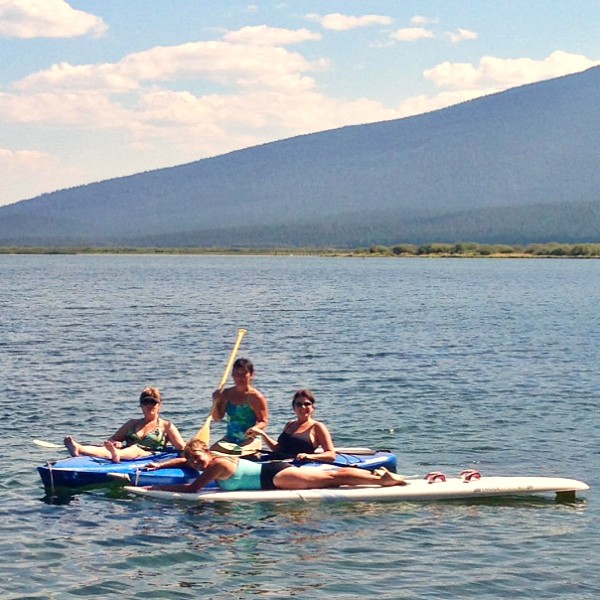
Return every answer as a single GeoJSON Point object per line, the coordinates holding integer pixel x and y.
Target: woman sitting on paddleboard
{"type": "Point", "coordinates": [232, 474]}
{"type": "Point", "coordinates": [302, 436]}
{"type": "Point", "coordinates": [244, 406]}
{"type": "Point", "coordinates": [137, 437]}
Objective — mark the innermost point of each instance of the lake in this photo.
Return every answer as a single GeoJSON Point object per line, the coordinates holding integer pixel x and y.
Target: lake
{"type": "Point", "coordinates": [451, 363]}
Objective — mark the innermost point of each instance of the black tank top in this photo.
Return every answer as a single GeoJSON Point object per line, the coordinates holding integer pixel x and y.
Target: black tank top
{"type": "Point", "coordinates": [290, 444]}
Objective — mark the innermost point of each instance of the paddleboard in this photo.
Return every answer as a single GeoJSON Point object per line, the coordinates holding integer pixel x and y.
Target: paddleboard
{"type": "Point", "coordinates": [428, 489]}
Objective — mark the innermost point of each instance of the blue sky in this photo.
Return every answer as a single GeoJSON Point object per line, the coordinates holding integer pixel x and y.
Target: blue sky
{"type": "Point", "coordinates": [93, 90]}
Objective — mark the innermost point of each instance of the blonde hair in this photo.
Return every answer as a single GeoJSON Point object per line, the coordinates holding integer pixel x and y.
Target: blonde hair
{"type": "Point", "coordinates": [194, 445]}
{"type": "Point", "coordinates": [152, 392]}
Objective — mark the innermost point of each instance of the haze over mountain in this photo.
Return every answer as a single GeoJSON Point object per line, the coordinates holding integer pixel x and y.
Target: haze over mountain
{"type": "Point", "coordinates": [516, 167]}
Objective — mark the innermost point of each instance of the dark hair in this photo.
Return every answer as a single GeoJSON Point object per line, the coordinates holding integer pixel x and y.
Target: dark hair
{"type": "Point", "coordinates": [304, 394]}
{"type": "Point", "coordinates": [244, 363]}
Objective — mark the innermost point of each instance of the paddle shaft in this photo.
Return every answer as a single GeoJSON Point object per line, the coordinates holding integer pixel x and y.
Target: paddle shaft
{"type": "Point", "coordinates": [238, 341]}
{"type": "Point", "coordinates": [204, 431]}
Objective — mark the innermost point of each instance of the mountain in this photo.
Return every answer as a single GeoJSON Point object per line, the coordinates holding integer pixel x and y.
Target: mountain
{"type": "Point", "coordinates": [516, 167]}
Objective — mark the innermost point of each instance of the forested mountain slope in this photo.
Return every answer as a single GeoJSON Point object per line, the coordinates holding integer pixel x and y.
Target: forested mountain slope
{"type": "Point", "coordinates": [520, 166]}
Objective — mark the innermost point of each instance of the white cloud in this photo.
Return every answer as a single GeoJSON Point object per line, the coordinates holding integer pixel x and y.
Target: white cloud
{"type": "Point", "coordinates": [67, 77]}
{"type": "Point", "coordinates": [492, 75]}
{"type": "Point", "coordinates": [263, 92]}
{"type": "Point", "coordinates": [261, 35]}
{"type": "Point", "coordinates": [502, 73]}
{"type": "Point", "coordinates": [462, 35]}
{"type": "Point", "coordinates": [412, 34]}
{"type": "Point", "coordinates": [87, 110]}
{"type": "Point", "coordinates": [420, 20]}
{"type": "Point", "coordinates": [248, 115]}
{"type": "Point", "coordinates": [237, 65]}
{"type": "Point", "coordinates": [46, 19]}
{"type": "Point", "coordinates": [26, 173]}
{"type": "Point", "coordinates": [339, 22]}
{"type": "Point", "coordinates": [174, 104]}
{"type": "Point", "coordinates": [24, 158]}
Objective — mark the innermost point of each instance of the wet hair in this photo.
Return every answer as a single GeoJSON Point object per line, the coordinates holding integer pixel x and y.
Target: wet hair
{"type": "Point", "coordinates": [304, 393]}
{"type": "Point", "coordinates": [244, 363]}
{"type": "Point", "coordinates": [150, 392]}
{"type": "Point", "coordinates": [194, 445]}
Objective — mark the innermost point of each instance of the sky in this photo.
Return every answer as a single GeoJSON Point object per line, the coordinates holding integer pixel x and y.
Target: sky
{"type": "Point", "coordinates": [91, 90]}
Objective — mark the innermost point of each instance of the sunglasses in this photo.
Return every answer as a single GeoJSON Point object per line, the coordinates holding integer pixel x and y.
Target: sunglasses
{"type": "Point", "coordinates": [148, 402]}
{"type": "Point", "coordinates": [302, 404]}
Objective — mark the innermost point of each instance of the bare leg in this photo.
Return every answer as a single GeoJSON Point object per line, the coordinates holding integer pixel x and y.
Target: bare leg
{"type": "Point", "coordinates": [114, 452]}
{"type": "Point", "coordinates": [77, 449]}
{"type": "Point", "coordinates": [306, 478]}
{"type": "Point", "coordinates": [72, 446]}
{"type": "Point", "coordinates": [108, 451]}
{"type": "Point", "coordinates": [388, 478]}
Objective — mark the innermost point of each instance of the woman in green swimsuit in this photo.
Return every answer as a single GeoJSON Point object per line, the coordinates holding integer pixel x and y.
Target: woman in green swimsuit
{"type": "Point", "coordinates": [137, 437]}
{"type": "Point", "coordinates": [244, 406]}
{"type": "Point", "coordinates": [232, 474]}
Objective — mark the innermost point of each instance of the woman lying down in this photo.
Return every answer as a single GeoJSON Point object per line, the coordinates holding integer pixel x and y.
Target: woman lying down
{"type": "Point", "coordinates": [232, 474]}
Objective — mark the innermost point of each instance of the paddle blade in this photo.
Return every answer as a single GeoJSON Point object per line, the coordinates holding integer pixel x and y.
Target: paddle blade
{"type": "Point", "coordinates": [231, 449]}
{"type": "Point", "coordinates": [204, 432]}
{"type": "Point", "coordinates": [44, 444]}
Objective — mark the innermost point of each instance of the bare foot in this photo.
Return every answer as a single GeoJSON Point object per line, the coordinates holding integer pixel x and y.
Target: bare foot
{"type": "Point", "coordinates": [72, 445]}
{"type": "Point", "coordinates": [388, 478]}
{"type": "Point", "coordinates": [114, 454]}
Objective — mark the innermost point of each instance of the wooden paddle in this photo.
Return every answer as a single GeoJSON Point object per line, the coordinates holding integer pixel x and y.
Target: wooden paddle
{"type": "Point", "coordinates": [204, 432]}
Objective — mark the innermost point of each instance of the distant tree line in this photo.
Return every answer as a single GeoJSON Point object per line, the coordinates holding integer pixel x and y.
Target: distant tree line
{"type": "Point", "coordinates": [458, 249]}
{"type": "Point", "coordinates": [475, 249]}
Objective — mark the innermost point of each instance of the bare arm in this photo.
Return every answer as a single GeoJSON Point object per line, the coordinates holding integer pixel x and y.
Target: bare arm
{"type": "Point", "coordinates": [259, 405]}
{"type": "Point", "coordinates": [174, 436]}
{"type": "Point", "coordinates": [219, 468]}
{"type": "Point", "coordinates": [219, 405]}
{"type": "Point", "coordinates": [167, 464]}
{"type": "Point", "coordinates": [257, 431]}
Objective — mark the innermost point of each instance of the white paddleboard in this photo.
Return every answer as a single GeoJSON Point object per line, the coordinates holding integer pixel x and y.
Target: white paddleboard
{"type": "Point", "coordinates": [414, 490]}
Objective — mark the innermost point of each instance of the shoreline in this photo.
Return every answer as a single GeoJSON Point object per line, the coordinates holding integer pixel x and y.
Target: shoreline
{"type": "Point", "coordinates": [458, 250]}
{"type": "Point", "coordinates": [291, 253]}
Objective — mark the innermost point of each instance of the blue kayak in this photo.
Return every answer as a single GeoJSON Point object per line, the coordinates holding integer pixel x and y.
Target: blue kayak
{"type": "Point", "coordinates": [87, 471]}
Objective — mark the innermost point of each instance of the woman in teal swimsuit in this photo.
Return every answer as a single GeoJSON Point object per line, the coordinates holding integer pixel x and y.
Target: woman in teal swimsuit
{"type": "Point", "coordinates": [232, 474]}
{"type": "Point", "coordinates": [244, 406]}
{"type": "Point", "coordinates": [137, 437]}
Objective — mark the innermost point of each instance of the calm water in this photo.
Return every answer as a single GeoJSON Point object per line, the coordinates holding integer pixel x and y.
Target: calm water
{"type": "Point", "coordinates": [453, 364]}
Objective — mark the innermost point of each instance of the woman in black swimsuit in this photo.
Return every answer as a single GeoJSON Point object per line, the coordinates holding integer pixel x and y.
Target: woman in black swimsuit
{"type": "Point", "coordinates": [301, 437]}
